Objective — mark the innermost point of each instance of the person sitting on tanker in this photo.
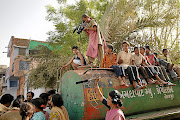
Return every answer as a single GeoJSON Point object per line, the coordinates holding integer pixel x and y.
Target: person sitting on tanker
{"type": "Point", "coordinates": [95, 46]}
{"type": "Point", "coordinates": [139, 60]}
{"type": "Point", "coordinates": [109, 61]}
{"type": "Point", "coordinates": [77, 60]}
{"type": "Point", "coordinates": [152, 72]}
{"type": "Point", "coordinates": [156, 54]}
{"type": "Point", "coordinates": [125, 60]}
{"type": "Point", "coordinates": [152, 60]}
{"type": "Point", "coordinates": [165, 61]}
{"type": "Point", "coordinates": [113, 103]}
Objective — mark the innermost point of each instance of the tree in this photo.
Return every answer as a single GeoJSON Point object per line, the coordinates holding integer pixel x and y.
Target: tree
{"type": "Point", "coordinates": [143, 22]}
{"type": "Point", "coordinates": [67, 17]}
{"type": "Point", "coordinates": [45, 73]}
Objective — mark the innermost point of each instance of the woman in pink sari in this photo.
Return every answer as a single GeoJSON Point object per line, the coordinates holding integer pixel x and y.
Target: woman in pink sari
{"type": "Point", "coordinates": [113, 102]}
{"type": "Point", "coordinates": [95, 47]}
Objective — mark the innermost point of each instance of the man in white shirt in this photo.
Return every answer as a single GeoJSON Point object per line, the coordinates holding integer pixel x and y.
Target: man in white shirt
{"type": "Point", "coordinates": [125, 60]}
{"type": "Point", "coordinates": [138, 60]}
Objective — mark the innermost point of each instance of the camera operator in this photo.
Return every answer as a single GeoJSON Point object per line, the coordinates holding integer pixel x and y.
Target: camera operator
{"type": "Point", "coordinates": [95, 47]}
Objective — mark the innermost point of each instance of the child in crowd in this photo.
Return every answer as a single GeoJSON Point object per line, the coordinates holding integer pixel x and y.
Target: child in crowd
{"type": "Point", "coordinates": [139, 61]}
{"type": "Point", "coordinates": [125, 60]}
{"type": "Point", "coordinates": [26, 111]}
{"type": "Point", "coordinates": [77, 60]}
{"type": "Point", "coordinates": [110, 61]}
{"type": "Point", "coordinates": [44, 97]}
{"type": "Point", "coordinates": [20, 97]}
{"type": "Point", "coordinates": [58, 111]}
{"type": "Point", "coordinates": [51, 93]}
{"type": "Point", "coordinates": [13, 114]}
{"type": "Point", "coordinates": [39, 106]}
{"type": "Point", "coordinates": [113, 103]}
{"type": "Point", "coordinates": [5, 103]}
{"type": "Point", "coordinates": [30, 96]}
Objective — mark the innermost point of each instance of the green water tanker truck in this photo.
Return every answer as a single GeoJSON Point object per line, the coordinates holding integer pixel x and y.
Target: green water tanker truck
{"type": "Point", "coordinates": [80, 100]}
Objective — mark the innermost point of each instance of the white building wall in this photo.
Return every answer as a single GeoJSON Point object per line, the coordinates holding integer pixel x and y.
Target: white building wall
{"type": "Point", "coordinates": [36, 92]}
{"type": "Point", "coordinates": [12, 91]}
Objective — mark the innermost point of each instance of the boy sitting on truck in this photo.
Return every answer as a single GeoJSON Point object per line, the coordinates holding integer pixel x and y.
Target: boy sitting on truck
{"type": "Point", "coordinates": [125, 60]}
{"type": "Point", "coordinates": [109, 61]}
{"type": "Point", "coordinates": [77, 60]}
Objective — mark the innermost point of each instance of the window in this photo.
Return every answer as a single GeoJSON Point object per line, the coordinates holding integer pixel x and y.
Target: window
{"type": "Point", "coordinates": [22, 51]}
{"type": "Point", "coordinates": [13, 83]}
{"type": "Point", "coordinates": [23, 65]}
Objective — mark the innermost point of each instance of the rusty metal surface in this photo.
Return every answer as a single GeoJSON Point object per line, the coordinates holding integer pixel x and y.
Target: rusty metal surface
{"type": "Point", "coordinates": [93, 74]}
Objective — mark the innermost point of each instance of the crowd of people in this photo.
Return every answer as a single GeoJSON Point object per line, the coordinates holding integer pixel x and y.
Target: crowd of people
{"type": "Point", "coordinates": [49, 106]}
{"type": "Point", "coordinates": [141, 63]}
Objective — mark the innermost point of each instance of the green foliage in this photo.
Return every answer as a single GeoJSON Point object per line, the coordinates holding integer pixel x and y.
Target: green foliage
{"type": "Point", "coordinates": [143, 22]}
{"type": "Point", "coordinates": [45, 73]}
{"type": "Point", "coordinates": [67, 17]}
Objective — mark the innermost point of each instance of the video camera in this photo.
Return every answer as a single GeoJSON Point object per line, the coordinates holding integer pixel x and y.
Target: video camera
{"type": "Point", "coordinates": [80, 28]}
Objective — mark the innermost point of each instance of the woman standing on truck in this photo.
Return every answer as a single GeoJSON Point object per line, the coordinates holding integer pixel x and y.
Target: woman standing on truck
{"type": "Point", "coordinates": [95, 47]}
{"type": "Point", "coordinates": [113, 103]}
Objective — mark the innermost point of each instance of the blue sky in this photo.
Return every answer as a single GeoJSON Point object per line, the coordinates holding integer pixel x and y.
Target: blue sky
{"type": "Point", "coordinates": [23, 19]}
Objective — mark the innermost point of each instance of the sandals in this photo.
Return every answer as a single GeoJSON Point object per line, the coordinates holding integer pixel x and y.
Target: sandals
{"type": "Point", "coordinates": [139, 87]}
{"type": "Point", "coordinates": [170, 84]}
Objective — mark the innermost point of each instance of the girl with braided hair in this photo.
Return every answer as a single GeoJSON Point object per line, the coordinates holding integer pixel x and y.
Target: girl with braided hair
{"type": "Point", "coordinates": [39, 106]}
{"type": "Point", "coordinates": [113, 102]}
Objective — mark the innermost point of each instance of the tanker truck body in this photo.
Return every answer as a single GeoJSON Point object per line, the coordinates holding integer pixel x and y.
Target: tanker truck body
{"type": "Point", "coordinates": [82, 103]}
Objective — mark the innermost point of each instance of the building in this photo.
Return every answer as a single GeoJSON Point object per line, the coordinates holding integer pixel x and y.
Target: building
{"type": "Point", "coordinates": [3, 84]}
{"type": "Point", "coordinates": [20, 65]}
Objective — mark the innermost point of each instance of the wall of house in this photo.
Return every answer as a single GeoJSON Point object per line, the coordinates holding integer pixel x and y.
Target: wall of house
{"type": "Point", "coordinates": [11, 61]}
{"type": "Point", "coordinates": [37, 92]}
{"type": "Point", "coordinates": [19, 74]}
{"type": "Point", "coordinates": [12, 91]}
{"type": "Point", "coordinates": [15, 52]}
{"type": "Point", "coordinates": [20, 91]}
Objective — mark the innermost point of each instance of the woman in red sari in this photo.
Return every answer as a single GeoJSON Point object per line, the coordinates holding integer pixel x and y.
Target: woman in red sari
{"type": "Point", "coordinates": [95, 47]}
